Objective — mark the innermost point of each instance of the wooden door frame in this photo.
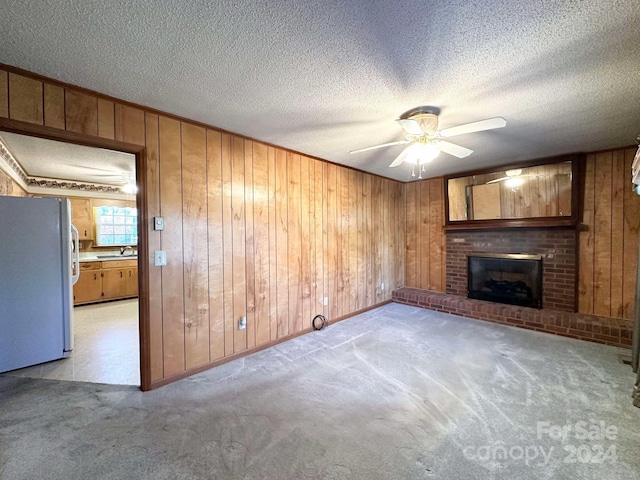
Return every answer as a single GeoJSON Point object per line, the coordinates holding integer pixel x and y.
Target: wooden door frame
{"type": "Point", "coordinates": [139, 151]}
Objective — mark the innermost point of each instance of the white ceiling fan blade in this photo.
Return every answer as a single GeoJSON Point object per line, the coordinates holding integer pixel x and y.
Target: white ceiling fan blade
{"type": "Point", "coordinates": [411, 127]}
{"type": "Point", "coordinates": [489, 124]}
{"type": "Point", "coordinates": [453, 149]}
{"type": "Point", "coordinates": [400, 158]}
{"type": "Point", "coordinates": [498, 180]}
{"type": "Point", "coordinates": [402, 142]}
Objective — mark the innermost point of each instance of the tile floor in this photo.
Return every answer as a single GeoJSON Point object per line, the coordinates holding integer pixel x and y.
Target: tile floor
{"type": "Point", "coordinates": [106, 347]}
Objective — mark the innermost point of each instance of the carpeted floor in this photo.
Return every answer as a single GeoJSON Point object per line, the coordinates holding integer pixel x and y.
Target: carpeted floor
{"type": "Point", "coordinates": [395, 393]}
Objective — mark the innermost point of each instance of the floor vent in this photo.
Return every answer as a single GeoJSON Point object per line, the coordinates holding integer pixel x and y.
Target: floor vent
{"type": "Point", "coordinates": [624, 359]}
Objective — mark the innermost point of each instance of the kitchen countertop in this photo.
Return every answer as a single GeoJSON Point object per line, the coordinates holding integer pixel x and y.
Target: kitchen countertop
{"type": "Point", "coordinates": [106, 257]}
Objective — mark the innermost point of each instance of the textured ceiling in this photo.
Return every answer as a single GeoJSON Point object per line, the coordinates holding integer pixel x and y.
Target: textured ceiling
{"type": "Point", "coordinates": [327, 77]}
{"type": "Point", "coordinates": [65, 161]}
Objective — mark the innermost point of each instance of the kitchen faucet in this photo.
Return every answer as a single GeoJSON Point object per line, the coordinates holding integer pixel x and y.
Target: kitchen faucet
{"type": "Point", "coordinates": [124, 249]}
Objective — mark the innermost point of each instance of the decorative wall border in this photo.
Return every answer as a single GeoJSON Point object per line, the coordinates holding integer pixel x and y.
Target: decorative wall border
{"type": "Point", "coordinates": [18, 171]}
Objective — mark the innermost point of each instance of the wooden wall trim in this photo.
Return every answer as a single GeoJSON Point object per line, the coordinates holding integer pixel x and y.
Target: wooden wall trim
{"type": "Point", "coordinates": [51, 133]}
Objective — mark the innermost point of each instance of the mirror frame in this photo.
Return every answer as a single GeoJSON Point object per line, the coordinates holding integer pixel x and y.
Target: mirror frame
{"type": "Point", "coordinates": [576, 160]}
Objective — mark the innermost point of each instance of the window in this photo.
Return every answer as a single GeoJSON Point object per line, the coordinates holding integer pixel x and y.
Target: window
{"type": "Point", "coordinates": [116, 226]}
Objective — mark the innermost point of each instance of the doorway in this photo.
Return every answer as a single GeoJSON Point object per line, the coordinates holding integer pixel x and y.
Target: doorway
{"type": "Point", "coordinates": [100, 184]}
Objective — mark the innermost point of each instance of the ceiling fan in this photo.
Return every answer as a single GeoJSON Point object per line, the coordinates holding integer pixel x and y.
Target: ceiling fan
{"type": "Point", "coordinates": [514, 177]}
{"type": "Point", "coordinates": [420, 128]}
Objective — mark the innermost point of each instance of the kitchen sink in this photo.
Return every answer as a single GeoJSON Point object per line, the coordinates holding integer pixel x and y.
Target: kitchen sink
{"type": "Point", "coordinates": [117, 256]}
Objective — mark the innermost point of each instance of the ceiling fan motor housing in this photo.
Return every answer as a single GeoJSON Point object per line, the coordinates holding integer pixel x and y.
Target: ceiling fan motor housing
{"type": "Point", "coordinates": [428, 122]}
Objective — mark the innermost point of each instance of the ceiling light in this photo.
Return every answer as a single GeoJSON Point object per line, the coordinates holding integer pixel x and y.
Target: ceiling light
{"type": "Point", "coordinates": [420, 153]}
{"type": "Point", "coordinates": [514, 182]}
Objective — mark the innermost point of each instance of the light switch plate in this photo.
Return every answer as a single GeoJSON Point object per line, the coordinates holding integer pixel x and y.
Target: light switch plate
{"type": "Point", "coordinates": [160, 258]}
{"type": "Point", "coordinates": [158, 223]}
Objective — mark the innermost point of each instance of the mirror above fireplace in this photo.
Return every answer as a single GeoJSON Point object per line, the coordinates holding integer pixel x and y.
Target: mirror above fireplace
{"type": "Point", "coordinates": [536, 193]}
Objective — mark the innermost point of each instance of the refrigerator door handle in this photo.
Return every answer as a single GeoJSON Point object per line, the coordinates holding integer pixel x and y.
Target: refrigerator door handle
{"type": "Point", "coordinates": [76, 255]}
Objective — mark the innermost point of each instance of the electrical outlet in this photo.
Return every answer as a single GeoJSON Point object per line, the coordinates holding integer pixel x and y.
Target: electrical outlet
{"type": "Point", "coordinates": [160, 258]}
{"type": "Point", "coordinates": [382, 286]}
{"type": "Point", "coordinates": [325, 301]}
{"type": "Point", "coordinates": [242, 323]}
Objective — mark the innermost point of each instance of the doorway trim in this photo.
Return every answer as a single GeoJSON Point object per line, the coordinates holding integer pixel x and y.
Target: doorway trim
{"type": "Point", "coordinates": [139, 151]}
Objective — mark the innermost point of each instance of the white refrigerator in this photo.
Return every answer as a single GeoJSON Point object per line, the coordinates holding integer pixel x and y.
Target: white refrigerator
{"type": "Point", "coordinates": [38, 267]}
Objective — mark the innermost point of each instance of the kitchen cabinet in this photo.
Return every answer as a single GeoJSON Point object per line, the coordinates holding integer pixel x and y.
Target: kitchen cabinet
{"type": "Point", "coordinates": [114, 283]}
{"type": "Point", "coordinates": [107, 280]}
{"type": "Point", "coordinates": [82, 217]}
{"type": "Point", "coordinates": [131, 279]}
{"type": "Point", "coordinates": [88, 289]}
{"type": "Point", "coordinates": [119, 279]}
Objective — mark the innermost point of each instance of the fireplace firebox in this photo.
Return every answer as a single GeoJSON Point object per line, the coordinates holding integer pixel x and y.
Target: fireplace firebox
{"type": "Point", "coordinates": [515, 279]}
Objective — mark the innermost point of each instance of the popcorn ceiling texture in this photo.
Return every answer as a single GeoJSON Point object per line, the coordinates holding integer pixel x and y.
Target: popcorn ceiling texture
{"type": "Point", "coordinates": [327, 77]}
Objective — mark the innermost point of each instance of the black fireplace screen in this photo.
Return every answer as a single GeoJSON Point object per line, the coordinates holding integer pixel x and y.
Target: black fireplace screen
{"type": "Point", "coordinates": [513, 278]}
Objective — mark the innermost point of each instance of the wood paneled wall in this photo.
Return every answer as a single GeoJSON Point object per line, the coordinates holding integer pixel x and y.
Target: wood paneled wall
{"type": "Point", "coordinates": [425, 252]}
{"type": "Point", "coordinates": [250, 229]}
{"type": "Point", "coordinates": [608, 243]}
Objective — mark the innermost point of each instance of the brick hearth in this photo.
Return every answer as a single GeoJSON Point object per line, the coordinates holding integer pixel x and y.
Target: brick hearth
{"type": "Point", "coordinates": [593, 328]}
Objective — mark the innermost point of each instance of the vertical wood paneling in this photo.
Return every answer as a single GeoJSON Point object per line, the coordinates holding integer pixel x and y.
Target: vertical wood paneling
{"type": "Point", "coordinates": [617, 231]}
{"type": "Point", "coordinates": [25, 99]}
{"type": "Point", "coordinates": [602, 247]}
{"type": "Point", "coordinates": [411, 237]}
{"type": "Point", "coordinates": [152, 191]}
{"type": "Point", "coordinates": [368, 241]}
{"type": "Point", "coordinates": [305, 243]}
{"type": "Point", "coordinates": [353, 242]}
{"type": "Point", "coordinates": [424, 265]}
{"type": "Point", "coordinates": [319, 237]}
{"type": "Point", "coordinates": [360, 259]}
{"type": "Point", "coordinates": [81, 113]}
{"type": "Point", "coordinates": [586, 239]}
{"type": "Point", "coordinates": [608, 245]}
{"type": "Point", "coordinates": [294, 243]}
{"type": "Point", "coordinates": [249, 199]}
{"type": "Point", "coordinates": [331, 255]}
{"type": "Point", "coordinates": [282, 251]}
{"type": "Point", "coordinates": [230, 323]}
{"type": "Point", "coordinates": [273, 250]}
{"type": "Point", "coordinates": [376, 233]}
{"type": "Point", "coordinates": [387, 243]}
{"type": "Point", "coordinates": [106, 119]}
{"type": "Point", "coordinates": [325, 242]}
{"type": "Point", "coordinates": [4, 94]}
{"type": "Point", "coordinates": [261, 238]}
{"type": "Point", "coordinates": [215, 233]}
{"type": "Point", "coordinates": [423, 239]}
{"type": "Point", "coordinates": [631, 229]}
{"type": "Point", "coordinates": [343, 252]}
{"type": "Point", "coordinates": [53, 106]}
{"type": "Point", "coordinates": [436, 235]}
{"type": "Point", "coordinates": [171, 238]}
{"type": "Point", "coordinates": [195, 245]}
{"type": "Point", "coordinates": [238, 209]}
{"type": "Point", "coordinates": [129, 124]}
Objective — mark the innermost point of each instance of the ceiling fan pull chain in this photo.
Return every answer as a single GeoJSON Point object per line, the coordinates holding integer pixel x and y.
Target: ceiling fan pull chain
{"type": "Point", "coordinates": [413, 171]}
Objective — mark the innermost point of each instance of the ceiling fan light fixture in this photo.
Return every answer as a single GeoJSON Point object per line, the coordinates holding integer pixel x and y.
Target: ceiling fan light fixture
{"type": "Point", "coordinates": [514, 182]}
{"type": "Point", "coordinates": [420, 153]}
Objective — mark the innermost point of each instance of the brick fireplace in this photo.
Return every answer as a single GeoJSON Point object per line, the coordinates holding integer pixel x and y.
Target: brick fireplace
{"type": "Point", "coordinates": [557, 246]}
